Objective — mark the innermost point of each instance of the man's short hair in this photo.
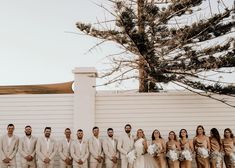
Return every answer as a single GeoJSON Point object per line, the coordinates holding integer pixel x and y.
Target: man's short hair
{"type": "Point", "coordinates": [47, 128]}
{"type": "Point", "coordinates": [109, 129]}
{"type": "Point", "coordinates": [27, 126]}
{"type": "Point", "coordinates": [127, 125]}
{"type": "Point", "coordinates": [67, 129]}
{"type": "Point", "coordinates": [79, 130]}
{"type": "Point", "coordinates": [95, 128]}
{"type": "Point", "coordinates": [10, 125]}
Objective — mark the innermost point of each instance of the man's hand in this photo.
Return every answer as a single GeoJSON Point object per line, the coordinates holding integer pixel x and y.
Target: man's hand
{"type": "Point", "coordinates": [47, 160]}
{"type": "Point", "coordinates": [29, 158]}
{"type": "Point", "coordinates": [6, 160]}
{"type": "Point", "coordinates": [80, 162]}
{"type": "Point", "coordinates": [114, 159]}
{"type": "Point", "coordinates": [99, 159]}
{"type": "Point", "coordinates": [68, 161]}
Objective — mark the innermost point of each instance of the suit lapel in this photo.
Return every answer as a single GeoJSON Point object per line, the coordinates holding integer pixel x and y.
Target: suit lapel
{"type": "Point", "coordinates": [25, 143]}
{"type": "Point", "coordinates": [12, 141]}
{"type": "Point", "coordinates": [51, 144]}
{"type": "Point", "coordinates": [80, 149]}
{"type": "Point", "coordinates": [110, 144]}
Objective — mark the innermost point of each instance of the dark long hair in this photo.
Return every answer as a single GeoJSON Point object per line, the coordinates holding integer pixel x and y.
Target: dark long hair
{"type": "Point", "coordinates": [153, 137]}
{"type": "Point", "coordinates": [175, 137]}
{"type": "Point", "coordinates": [228, 129]}
{"type": "Point", "coordinates": [216, 135]}
{"type": "Point", "coordinates": [185, 131]}
{"type": "Point", "coordinates": [200, 126]}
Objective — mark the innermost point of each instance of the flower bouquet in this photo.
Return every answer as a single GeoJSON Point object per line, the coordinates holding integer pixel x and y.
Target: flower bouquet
{"type": "Point", "coordinates": [153, 149]}
{"type": "Point", "coordinates": [232, 157]}
{"type": "Point", "coordinates": [218, 157]}
{"type": "Point", "coordinates": [185, 155]}
{"type": "Point", "coordinates": [172, 155]}
{"type": "Point", "coordinates": [131, 156]}
{"type": "Point", "coordinates": [202, 152]}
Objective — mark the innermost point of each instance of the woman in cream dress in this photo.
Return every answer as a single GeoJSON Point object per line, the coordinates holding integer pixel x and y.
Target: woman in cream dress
{"type": "Point", "coordinates": [216, 160]}
{"type": "Point", "coordinates": [172, 144]}
{"type": "Point", "coordinates": [143, 160]}
{"type": "Point", "coordinates": [159, 141]}
{"type": "Point", "coordinates": [140, 147]}
{"type": "Point", "coordinates": [185, 144]}
{"type": "Point", "coordinates": [201, 145]}
{"type": "Point", "coordinates": [228, 146]}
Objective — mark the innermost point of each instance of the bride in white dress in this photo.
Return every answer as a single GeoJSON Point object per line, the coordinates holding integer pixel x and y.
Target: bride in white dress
{"type": "Point", "coordinates": [143, 160]}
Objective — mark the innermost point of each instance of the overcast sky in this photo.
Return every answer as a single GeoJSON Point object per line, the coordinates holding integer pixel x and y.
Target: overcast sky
{"type": "Point", "coordinates": [35, 46]}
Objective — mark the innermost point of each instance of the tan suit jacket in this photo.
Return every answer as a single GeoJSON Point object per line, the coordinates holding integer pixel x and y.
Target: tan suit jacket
{"type": "Point", "coordinates": [78, 154]}
{"type": "Point", "coordinates": [95, 149]}
{"type": "Point", "coordinates": [109, 149]}
{"type": "Point", "coordinates": [64, 150]}
{"type": "Point", "coordinates": [9, 150]}
{"type": "Point", "coordinates": [43, 153]}
{"type": "Point", "coordinates": [24, 150]}
{"type": "Point", "coordinates": [125, 144]}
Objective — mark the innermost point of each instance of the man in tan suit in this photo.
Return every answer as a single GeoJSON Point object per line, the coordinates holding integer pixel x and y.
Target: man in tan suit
{"type": "Point", "coordinates": [110, 150]}
{"type": "Point", "coordinates": [95, 149]}
{"type": "Point", "coordinates": [125, 145]}
{"type": "Point", "coordinates": [8, 148]}
{"type": "Point", "coordinates": [64, 150]}
{"type": "Point", "coordinates": [79, 151]}
{"type": "Point", "coordinates": [27, 149]}
{"type": "Point", "coordinates": [46, 149]}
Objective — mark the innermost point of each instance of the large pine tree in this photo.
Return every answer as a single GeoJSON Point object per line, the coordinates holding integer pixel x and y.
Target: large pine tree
{"type": "Point", "coordinates": [164, 50]}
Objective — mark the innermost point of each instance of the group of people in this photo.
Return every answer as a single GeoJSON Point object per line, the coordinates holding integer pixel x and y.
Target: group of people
{"type": "Point", "coordinates": [133, 151]}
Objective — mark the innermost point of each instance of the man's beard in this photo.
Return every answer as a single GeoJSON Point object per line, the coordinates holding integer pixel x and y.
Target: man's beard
{"type": "Point", "coordinates": [47, 135]}
{"type": "Point", "coordinates": [110, 136]}
{"type": "Point", "coordinates": [28, 134]}
{"type": "Point", "coordinates": [128, 131]}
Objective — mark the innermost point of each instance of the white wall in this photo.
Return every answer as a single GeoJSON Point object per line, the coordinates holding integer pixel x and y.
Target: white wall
{"type": "Point", "coordinates": [162, 111]}
{"type": "Point", "coordinates": [87, 108]}
{"type": "Point", "coordinates": [38, 111]}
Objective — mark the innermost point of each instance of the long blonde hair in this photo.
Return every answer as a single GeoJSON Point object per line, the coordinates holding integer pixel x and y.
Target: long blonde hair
{"type": "Point", "coordinates": [137, 134]}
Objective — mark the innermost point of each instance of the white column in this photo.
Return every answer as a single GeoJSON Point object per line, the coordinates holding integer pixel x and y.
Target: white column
{"type": "Point", "coordinates": [84, 99]}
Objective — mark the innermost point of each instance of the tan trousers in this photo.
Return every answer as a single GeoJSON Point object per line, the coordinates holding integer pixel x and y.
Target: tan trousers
{"type": "Point", "coordinates": [110, 164]}
{"type": "Point", "coordinates": [12, 164]}
{"type": "Point", "coordinates": [84, 165]}
{"type": "Point", "coordinates": [3, 165]}
{"type": "Point", "coordinates": [95, 165]}
{"type": "Point", "coordinates": [25, 164]}
{"type": "Point", "coordinates": [125, 164]}
{"type": "Point", "coordinates": [64, 165]}
{"type": "Point", "coordinates": [43, 165]}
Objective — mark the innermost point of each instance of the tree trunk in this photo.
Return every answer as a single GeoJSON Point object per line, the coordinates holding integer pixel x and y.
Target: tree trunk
{"type": "Point", "coordinates": [143, 81]}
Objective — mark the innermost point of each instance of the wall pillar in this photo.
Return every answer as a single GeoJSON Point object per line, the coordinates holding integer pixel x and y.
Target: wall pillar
{"type": "Point", "coordinates": [84, 99]}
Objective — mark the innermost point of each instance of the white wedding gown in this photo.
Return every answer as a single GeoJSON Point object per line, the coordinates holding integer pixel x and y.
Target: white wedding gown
{"type": "Point", "coordinates": [143, 161]}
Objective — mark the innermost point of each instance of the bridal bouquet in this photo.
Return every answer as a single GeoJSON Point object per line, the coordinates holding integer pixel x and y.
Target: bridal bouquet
{"type": "Point", "coordinates": [232, 156]}
{"type": "Point", "coordinates": [203, 152]}
{"type": "Point", "coordinates": [185, 155]}
{"type": "Point", "coordinates": [218, 157]}
{"type": "Point", "coordinates": [131, 156]}
{"type": "Point", "coordinates": [172, 155]}
{"type": "Point", "coordinates": [153, 149]}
